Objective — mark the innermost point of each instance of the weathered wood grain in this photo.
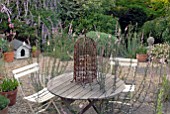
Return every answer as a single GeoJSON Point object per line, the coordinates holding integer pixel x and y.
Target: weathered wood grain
{"type": "Point", "coordinates": [64, 87]}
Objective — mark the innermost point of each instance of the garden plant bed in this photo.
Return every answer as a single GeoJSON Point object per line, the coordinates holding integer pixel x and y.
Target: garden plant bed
{"type": "Point", "coordinates": [21, 106]}
{"type": "Point", "coordinates": [117, 28]}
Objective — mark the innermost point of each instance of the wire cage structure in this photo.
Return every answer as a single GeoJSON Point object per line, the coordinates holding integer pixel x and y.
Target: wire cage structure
{"type": "Point", "coordinates": [85, 60]}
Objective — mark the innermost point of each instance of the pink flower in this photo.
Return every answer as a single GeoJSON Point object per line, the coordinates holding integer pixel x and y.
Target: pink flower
{"type": "Point", "coordinates": [14, 33]}
{"type": "Point", "coordinates": [11, 25]}
{"type": "Point", "coordinates": [9, 20]}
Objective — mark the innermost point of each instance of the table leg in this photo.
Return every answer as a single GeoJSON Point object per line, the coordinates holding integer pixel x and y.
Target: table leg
{"type": "Point", "coordinates": [91, 103]}
{"type": "Point", "coordinates": [67, 103]}
{"type": "Point", "coordinates": [94, 107]}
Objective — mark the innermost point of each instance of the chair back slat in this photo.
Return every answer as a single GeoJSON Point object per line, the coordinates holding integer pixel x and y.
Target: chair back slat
{"type": "Point", "coordinates": [35, 69]}
{"type": "Point", "coordinates": [126, 62]}
{"type": "Point", "coordinates": [25, 68]}
{"type": "Point", "coordinates": [23, 71]}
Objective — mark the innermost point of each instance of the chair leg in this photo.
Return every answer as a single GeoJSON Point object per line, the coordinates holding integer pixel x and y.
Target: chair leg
{"type": "Point", "coordinates": [55, 107]}
{"type": "Point", "coordinates": [33, 112]}
{"type": "Point", "coordinates": [52, 102]}
{"type": "Point", "coordinates": [48, 105]}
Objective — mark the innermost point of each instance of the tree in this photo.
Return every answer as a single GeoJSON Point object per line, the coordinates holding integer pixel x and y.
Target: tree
{"type": "Point", "coordinates": [132, 16]}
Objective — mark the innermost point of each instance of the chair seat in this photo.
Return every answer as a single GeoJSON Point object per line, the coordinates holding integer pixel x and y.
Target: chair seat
{"type": "Point", "coordinates": [40, 97]}
{"type": "Point", "coordinates": [129, 88]}
{"type": "Point", "coordinates": [119, 102]}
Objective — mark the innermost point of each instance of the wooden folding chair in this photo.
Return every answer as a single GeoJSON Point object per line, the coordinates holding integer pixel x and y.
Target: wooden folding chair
{"type": "Point", "coordinates": [129, 86]}
{"type": "Point", "coordinates": [43, 97]}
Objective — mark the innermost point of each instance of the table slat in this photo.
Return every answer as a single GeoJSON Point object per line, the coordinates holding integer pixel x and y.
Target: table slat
{"type": "Point", "coordinates": [96, 90]}
{"type": "Point", "coordinates": [64, 87]}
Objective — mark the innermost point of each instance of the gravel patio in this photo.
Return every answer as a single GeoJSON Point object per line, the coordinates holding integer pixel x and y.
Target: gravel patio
{"type": "Point", "coordinates": [21, 106]}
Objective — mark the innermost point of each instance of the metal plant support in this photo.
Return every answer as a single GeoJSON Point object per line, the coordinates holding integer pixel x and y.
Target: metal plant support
{"type": "Point", "coordinates": [85, 60]}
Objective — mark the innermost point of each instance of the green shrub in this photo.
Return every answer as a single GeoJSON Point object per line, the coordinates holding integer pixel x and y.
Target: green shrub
{"type": "Point", "coordinates": [3, 102]}
{"type": "Point", "coordinates": [163, 94]}
{"type": "Point", "coordinates": [129, 45]}
{"type": "Point", "coordinates": [8, 84]}
{"type": "Point", "coordinates": [132, 16]}
{"type": "Point", "coordinates": [3, 45]}
{"type": "Point", "coordinates": [128, 51]}
{"type": "Point", "coordinates": [95, 22]}
{"type": "Point", "coordinates": [60, 46]}
{"type": "Point", "coordinates": [166, 89]}
{"type": "Point", "coordinates": [159, 107]}
{"type": "Point", "coordinates": [87, 15]}
{"type": "Point", "coordinates": [70, 9]}
{"type": "Point", "coordinates": [155, 9]}
{"type": "Point", "coordinates": [103, 40]}
{"type": "Point", "coordinates": [34, 48]}
{"type": "Point", "coordinates": [4, 22]}
{"type": "Point", "coordinates": [158, 28]}
{"type": "Point", "coordinates": [141, 50]}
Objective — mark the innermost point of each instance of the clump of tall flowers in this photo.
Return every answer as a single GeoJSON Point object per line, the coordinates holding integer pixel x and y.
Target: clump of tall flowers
{"type": "Point", "coordinates": [161, 51]}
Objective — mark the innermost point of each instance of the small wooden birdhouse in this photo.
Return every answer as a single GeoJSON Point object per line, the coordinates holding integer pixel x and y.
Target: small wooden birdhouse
{"type": "Point", "coordinates": [85, 60]}
{"type": "Point", "coordinates": [21, 49]}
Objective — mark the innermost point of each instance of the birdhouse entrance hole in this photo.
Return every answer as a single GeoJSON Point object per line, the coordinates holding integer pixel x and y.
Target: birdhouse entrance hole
{"type": "Point", "coordinates": [22, 52]}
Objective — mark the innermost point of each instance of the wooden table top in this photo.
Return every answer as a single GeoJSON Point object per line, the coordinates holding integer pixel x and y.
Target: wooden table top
{"type": "Point", "coordinates": [64, 87]}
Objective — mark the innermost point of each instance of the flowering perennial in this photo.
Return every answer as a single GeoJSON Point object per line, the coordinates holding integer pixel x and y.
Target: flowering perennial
{"type": "Point", "coordinates": [161, 51]}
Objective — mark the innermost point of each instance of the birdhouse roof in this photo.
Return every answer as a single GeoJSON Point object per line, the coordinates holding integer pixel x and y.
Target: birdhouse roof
{"type": "Point", "coordinates": [17, 43]}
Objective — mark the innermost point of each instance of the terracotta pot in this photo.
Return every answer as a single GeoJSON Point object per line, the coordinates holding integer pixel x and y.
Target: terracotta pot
{"type": "Point", "coordinates": [1, 76]}
{"type": "Point", "coordinates": [35, 53]}
{"type": "Point", "coordinates": [142, 57]}
{"type": "Point", "coordinates": [4, 111]}
{"type": "Point", "coordinates": [11, 95]}
{"type": "Point", "coordinates": [9, 56]}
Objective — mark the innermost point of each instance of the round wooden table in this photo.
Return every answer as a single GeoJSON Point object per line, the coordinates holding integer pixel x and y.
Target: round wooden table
{"type": "Point", "coordinates": [64, 87]}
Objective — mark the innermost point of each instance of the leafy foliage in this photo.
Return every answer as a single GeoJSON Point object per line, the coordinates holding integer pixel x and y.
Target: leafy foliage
{"type": "Point", "coordinates": [141, 50]}
{"type": "Point", "coordinates": [118, 11]}
{"type": "Point", "coordinates": [24, 31]}
{"type": "Point", "coordinates": [3, 102]}
{"type": "Point", "coordinates": [159, 107]}
{"type": "Point", "coordinates": [151, 8]}
{"type": "Point", "coordinates": [138, 11]}
{"type": "Point", "coordinates": [60, 47]}
{"type": "Point", "coordinates": [129, 44]}
{"type": "Point", "coordinates": [161, 51]}
{"type": "Point", "coordinates": [158, 28]}
{"type": "Point", "coordinates": [103, 40]}
{"type": "Point", "coordinates": [4, 22]}
{"type": "Point", "coordinates": [29, 16]}
{"type": "Point", "coordinates": [34, 48]}
{"type": "Point", "coordinates": [89, 15]}
{"type": "Point", "coordinates": [102, 6]}
{"type": "Point", "coordinates": [8, 84]}
{"type": "Point", "coordinates": [130, 51]}
{"type": "Point", "coordinates": [3, 45]}
{"type": "Point", "coordinates": [95, 22]}
{"type": "Point", "coordinates": [163, 94]}
{"type": "Point", "coordinates": [45, 16]}
{"type": "Point", "coordinates": [166, 87]}
{"type": "Point", "coordinates": [70, 9]}
{"type": "Point", "coordinates": [132, 16]}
